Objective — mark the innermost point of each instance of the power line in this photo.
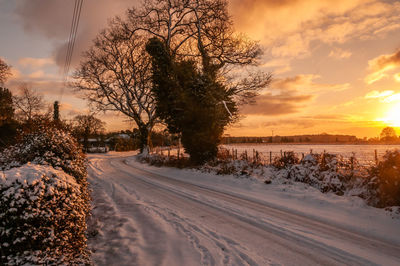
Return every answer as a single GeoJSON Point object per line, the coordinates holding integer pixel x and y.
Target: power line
{"type": "Point", "coordinates": [80, 2]}
{"type": "Point", "coordinates": [69, 39]}
{"type": "Point", "coordinates": [71, 42]}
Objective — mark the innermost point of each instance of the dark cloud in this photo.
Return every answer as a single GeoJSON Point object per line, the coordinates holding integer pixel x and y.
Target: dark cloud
{"type": "Point", "coordinates": [273, 105]}
{"type": "Point", "coordinates": [289, 95]}
{"type": "Point", "coordinates": [52, 19]}
{"type": "Point", "coordinates": [383, 61]}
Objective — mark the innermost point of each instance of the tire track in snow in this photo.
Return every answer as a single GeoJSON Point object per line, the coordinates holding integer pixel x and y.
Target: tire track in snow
{"type": "Point", "coordinates": [148, 247]}
{"type": "Point", "coordinates": [196, 235]}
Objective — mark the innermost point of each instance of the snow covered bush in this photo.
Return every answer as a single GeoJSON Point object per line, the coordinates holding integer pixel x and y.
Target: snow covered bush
{"type": "Point", "coordinates": [42, 217]}
{"type": "Point", "coordinates": [320, 171]}
{"type": "Point", "coordinates": [285, 161]}
{"type": "Point", "coordinates": [383, 183]}
{"type": "Point", "coordinates": [47, 146]}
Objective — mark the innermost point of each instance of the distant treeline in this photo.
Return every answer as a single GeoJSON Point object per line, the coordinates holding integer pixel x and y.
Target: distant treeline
{"type": "Point", "coordinates": [322, 138]}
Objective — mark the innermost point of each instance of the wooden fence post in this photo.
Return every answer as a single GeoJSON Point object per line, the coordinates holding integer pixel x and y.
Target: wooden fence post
{"type": "Point", "coordinates": [270, 157]}
{"type": "Point", "coordinates": [376, 157]}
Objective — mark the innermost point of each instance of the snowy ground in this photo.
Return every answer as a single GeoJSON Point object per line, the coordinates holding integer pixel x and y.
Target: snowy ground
{"type": "Point", "coordinates": [162, 216]}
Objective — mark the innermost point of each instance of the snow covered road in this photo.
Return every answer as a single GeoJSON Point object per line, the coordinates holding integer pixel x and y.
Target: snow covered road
{"type": "Point", "coordinates": [147, 218]}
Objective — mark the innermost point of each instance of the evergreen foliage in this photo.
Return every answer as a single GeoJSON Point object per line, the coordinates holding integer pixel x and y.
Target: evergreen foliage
{"type": "Point", "coordinates": [190, 101]}
{"type": "Point", "coordinates": [8, 125]}
{"type": "Point", "coordinates": [56, 111]}
{"type": "Point", "coordinates": [6, 106]}
{"type": "Point", "coordinates": [384, 180]}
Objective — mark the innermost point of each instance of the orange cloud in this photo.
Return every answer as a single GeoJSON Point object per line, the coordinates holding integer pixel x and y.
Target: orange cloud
{"type": "Point", "coordinates": [387, 96]}
{"type": "Point", "coordinates": [382, 64]}
{"type": "Point", "coordinates": [378, 94]}
{"type": "Point", "coordinates": [288, 27]}
{"type": "Point", "coordinates": [35, 62]}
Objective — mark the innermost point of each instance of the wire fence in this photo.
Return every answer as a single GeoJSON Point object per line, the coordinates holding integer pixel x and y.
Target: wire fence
{"type": "Point", "coordinates": [267, 157]}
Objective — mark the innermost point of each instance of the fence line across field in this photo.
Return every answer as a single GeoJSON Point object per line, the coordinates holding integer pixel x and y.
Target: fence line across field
{"type": "Point", "coordinates": [268, 157]}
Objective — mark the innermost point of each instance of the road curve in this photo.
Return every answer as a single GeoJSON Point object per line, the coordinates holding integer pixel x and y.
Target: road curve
{"type": "Point", "coordinates": [150, 219]}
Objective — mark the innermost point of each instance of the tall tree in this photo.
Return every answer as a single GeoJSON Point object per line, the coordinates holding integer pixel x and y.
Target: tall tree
{"type": "Point", "coordinates": [194, 49]}
{"type": "Point", "coordinates": [191, 103]}
{"type": "Point", "coordinates": [56, 111]}
{"type": "Point", "coordinates": [28, 103]}
{"type": "Point", "coordinates": [4, 71]}
{"type": "Point", "coordinates": [8, 125]}
{"type": "Point", "coordinates": [115, 76]}
{"type": "Point", "coordinates": [6, 106]}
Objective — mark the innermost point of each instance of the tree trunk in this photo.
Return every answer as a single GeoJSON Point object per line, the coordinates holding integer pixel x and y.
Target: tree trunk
{"type": "Point", "coordinates": [144, 139]}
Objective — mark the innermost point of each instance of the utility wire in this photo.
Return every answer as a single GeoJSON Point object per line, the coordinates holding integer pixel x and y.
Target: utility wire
{"type": "Point", "coordinates": [80, 2]}
{"type": "Point", "coordinates": [69, 38]}
{"type": "Point", "coordinates": [71, 42]}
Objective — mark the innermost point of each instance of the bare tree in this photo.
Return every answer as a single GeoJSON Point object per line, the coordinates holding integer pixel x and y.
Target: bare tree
{"type": "Point", "coordinates": [115, 75]}
{"type": "Point", "coordinates": [28, 103]}
{"type": "Point", "coordinates": [4, 71]}
{"type": "Point", "coordinates": [202, 30]}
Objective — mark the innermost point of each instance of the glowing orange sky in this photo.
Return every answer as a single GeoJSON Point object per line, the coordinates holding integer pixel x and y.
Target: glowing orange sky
{"type": "Point", "coordinates": [336, 64]}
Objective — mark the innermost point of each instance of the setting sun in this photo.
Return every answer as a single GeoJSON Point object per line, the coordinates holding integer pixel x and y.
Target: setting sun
{"type": "Point", "coordinates": [392, 117]}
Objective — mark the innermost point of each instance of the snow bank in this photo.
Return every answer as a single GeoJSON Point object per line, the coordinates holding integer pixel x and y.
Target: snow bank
{"type": "Point", "coordinates": [42, 217]}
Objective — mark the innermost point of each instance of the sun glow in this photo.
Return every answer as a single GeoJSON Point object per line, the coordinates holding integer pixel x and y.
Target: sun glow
{"type": "Point", "coordinates": [392, 117]}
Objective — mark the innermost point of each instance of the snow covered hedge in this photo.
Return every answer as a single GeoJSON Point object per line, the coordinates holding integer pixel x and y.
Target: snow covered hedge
{"type": "Point", "coordinates": [44, 198]}
{"type": "Point", "coordinates": [42, 217]}
{"type": "Point", "coordinates": [47, 146]}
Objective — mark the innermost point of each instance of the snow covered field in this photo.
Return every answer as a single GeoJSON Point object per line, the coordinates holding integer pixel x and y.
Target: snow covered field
{"type": "Point", "coordinates": [145, 215]}
{"type": "Point", "coordinates": [364, 153]}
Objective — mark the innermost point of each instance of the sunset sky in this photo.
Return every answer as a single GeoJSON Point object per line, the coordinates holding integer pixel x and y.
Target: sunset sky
{"type": "Point", "coordinates": [336, 64]}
